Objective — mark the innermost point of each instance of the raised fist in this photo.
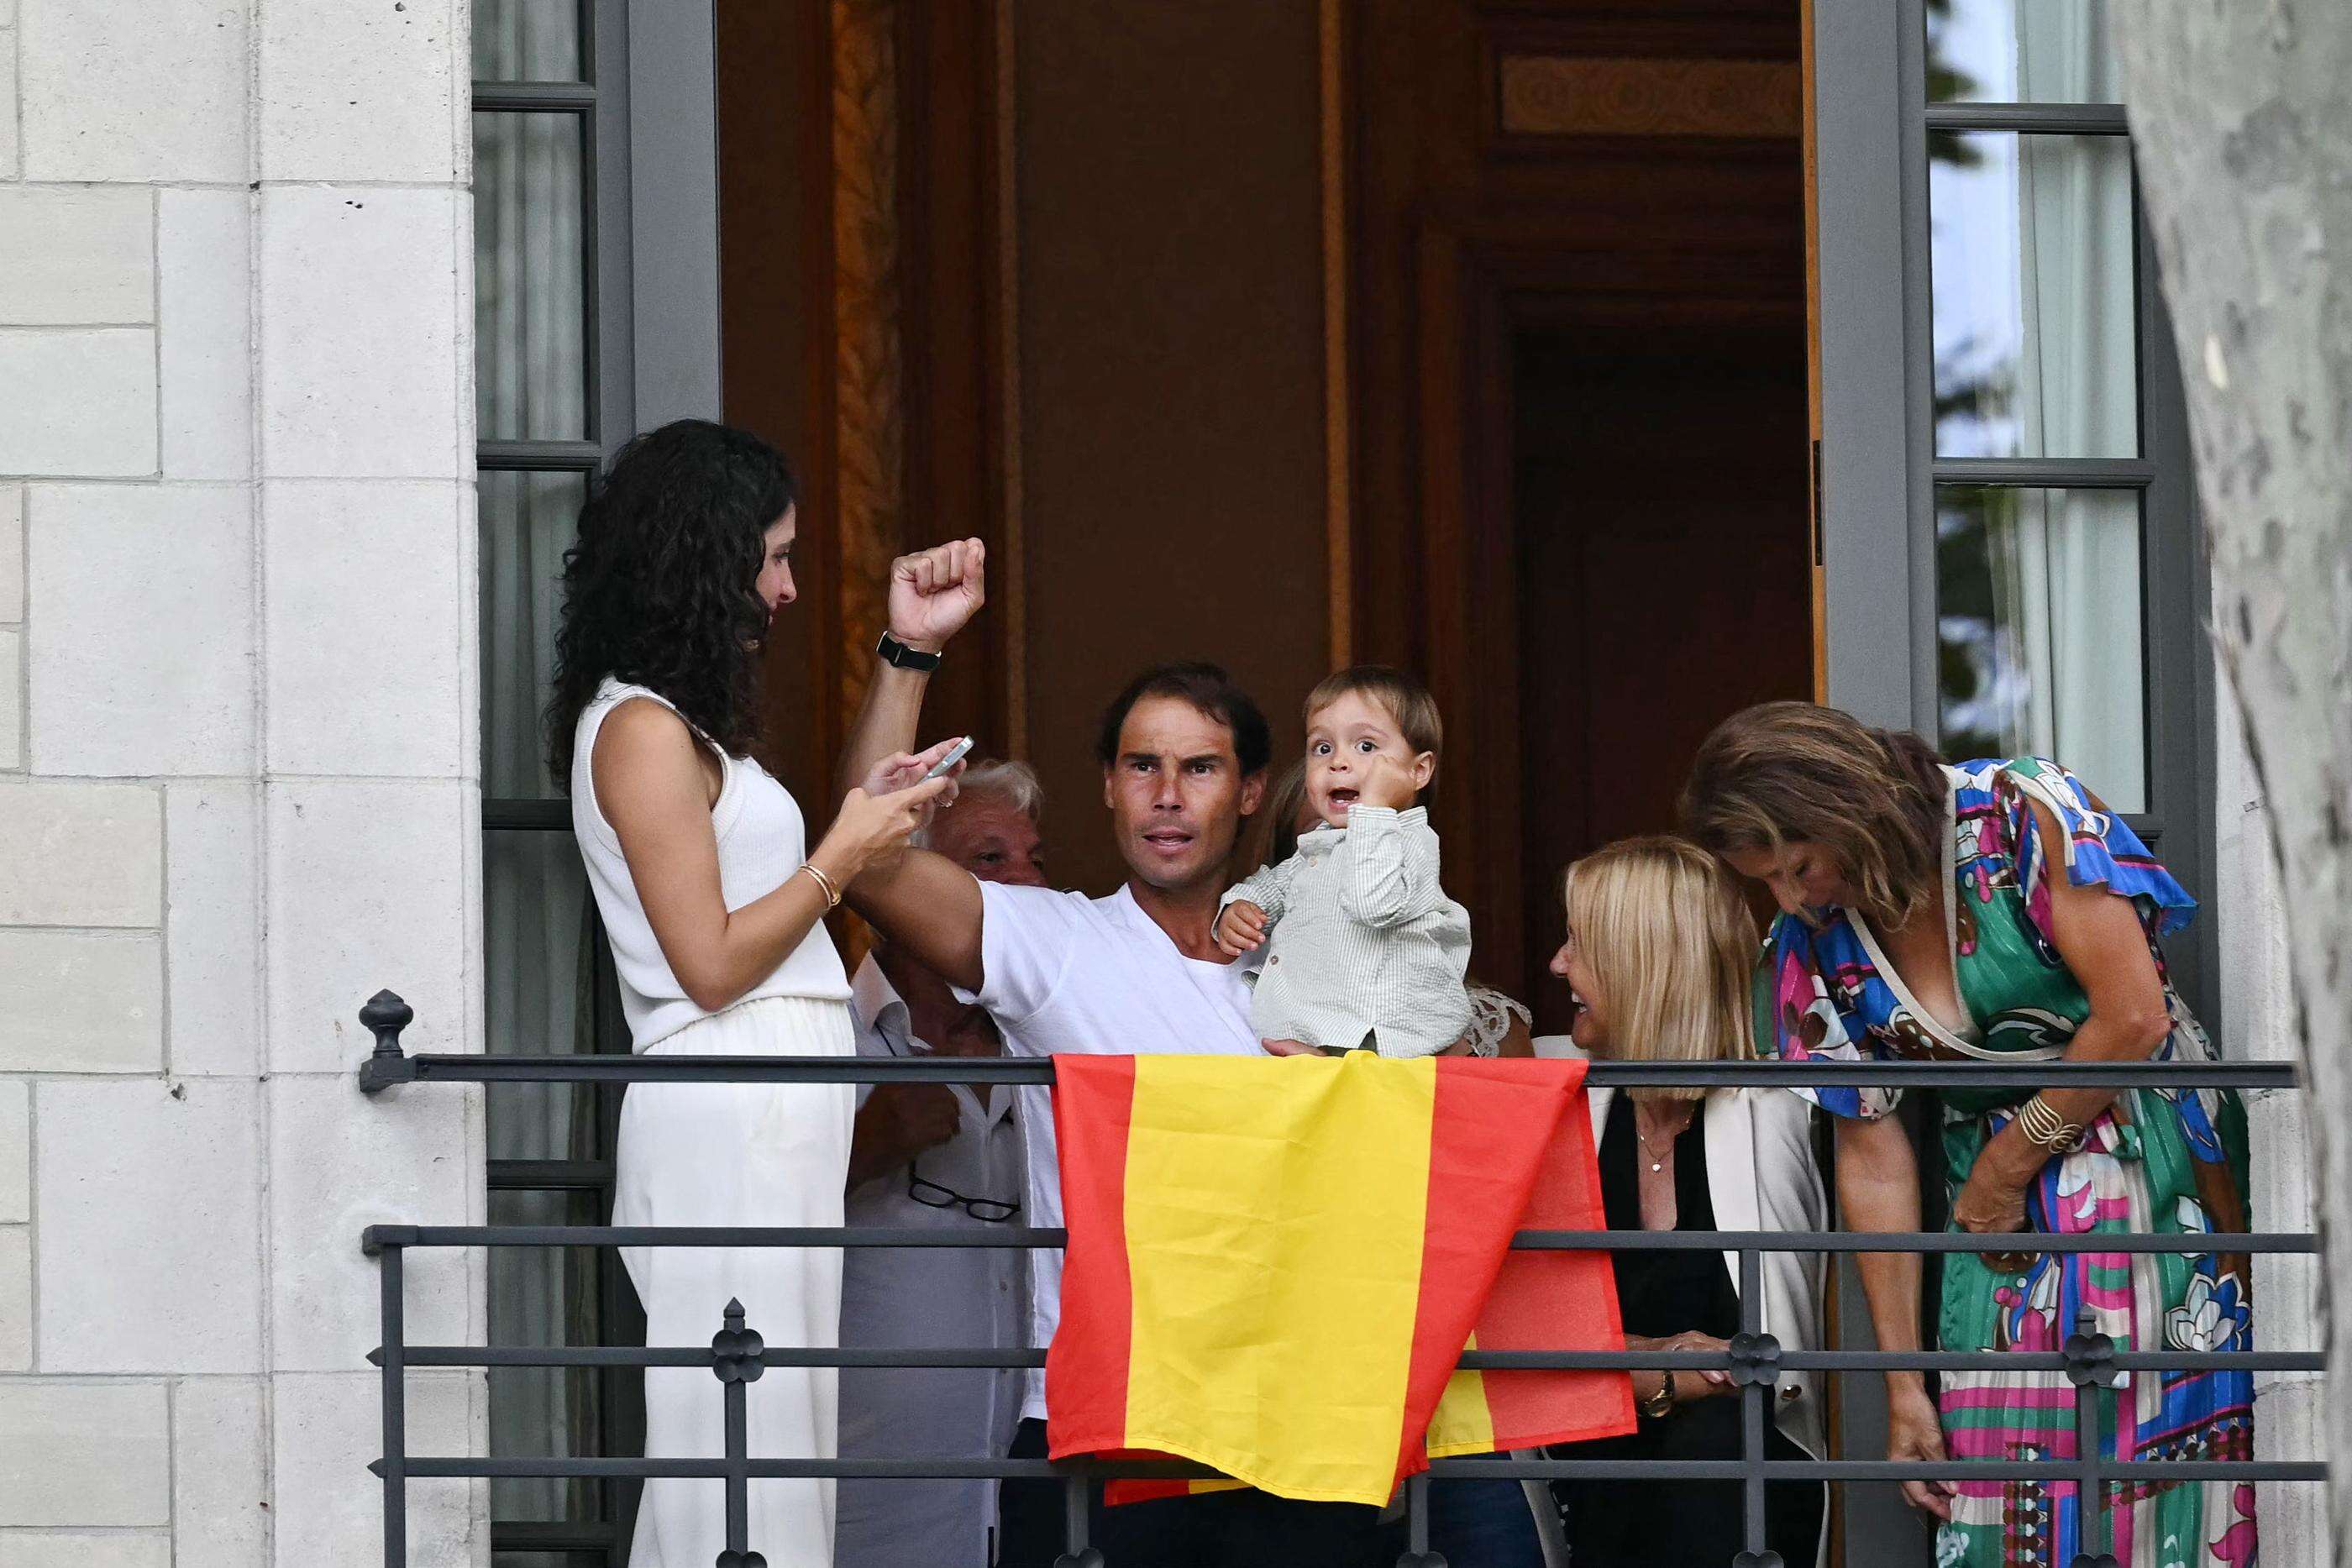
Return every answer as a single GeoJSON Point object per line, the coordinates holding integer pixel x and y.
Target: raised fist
{"type": "Point", "coordinates": [934, 593]}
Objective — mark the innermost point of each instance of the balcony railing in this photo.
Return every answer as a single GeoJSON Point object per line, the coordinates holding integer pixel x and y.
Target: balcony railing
{"type": "Point", "coordinates": [737, 1353]}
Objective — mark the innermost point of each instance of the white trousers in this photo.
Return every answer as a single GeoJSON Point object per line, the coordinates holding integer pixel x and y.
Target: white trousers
{"type": "Point", "coordinates": [739, 1153]}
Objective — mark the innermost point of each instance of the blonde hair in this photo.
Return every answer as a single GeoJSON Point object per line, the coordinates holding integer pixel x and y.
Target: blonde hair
{"type": "Point", "coordinates": [1671, 944]}
{"type": "Point", "coordinates": [1278, 813]}
{"type": "Point", "coordinates": [1015, 783]}
{"type": "Point", "coordinates": [1791, 772]}
{"type": "Point", "coordinates": [1407, 700]}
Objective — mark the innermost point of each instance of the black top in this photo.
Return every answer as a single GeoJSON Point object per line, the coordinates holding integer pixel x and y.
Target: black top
{"type": "Point", "coordinates": [1661, 1293]}
{"type": "Point", "coordinates": [1665, 1292]}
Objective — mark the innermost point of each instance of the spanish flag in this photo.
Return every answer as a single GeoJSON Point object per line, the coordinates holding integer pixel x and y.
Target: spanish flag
{"type": "Point", "coordinates": [1274, 1263]}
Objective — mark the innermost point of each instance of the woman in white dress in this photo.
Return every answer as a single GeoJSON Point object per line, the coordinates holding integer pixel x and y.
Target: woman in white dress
{"type": "Point", "coordinates": [715, 910]}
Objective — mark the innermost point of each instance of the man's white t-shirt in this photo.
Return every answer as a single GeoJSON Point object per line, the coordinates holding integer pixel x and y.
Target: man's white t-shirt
{"type": "Point", "coordinates": [1063, 972]}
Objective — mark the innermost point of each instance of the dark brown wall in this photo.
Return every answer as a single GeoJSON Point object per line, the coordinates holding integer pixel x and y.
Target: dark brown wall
{"type": "Point", "coordinates": [1170, 357]}
{"type": "Point", "coordinates": [775, 335]}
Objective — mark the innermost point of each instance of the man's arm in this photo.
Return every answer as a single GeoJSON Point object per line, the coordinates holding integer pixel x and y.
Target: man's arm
{"type": "Point", "coordinates": [933, 593]}
{"type": "Point", "coordinates": [929, 906]}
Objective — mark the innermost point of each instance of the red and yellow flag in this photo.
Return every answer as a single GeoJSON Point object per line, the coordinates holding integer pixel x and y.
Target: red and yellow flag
{"type": "Point", "coordinates": [1273, 1264]}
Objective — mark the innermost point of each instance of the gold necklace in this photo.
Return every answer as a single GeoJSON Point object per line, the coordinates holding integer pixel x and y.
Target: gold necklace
{"type": "Point", "coordinates": [1658, 1161]}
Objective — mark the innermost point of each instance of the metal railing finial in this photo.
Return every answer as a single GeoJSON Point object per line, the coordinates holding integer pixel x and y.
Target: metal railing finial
{"type": "Point", "coordinates": [384, 1014]}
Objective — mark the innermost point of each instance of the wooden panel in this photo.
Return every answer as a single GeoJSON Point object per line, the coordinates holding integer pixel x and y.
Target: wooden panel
{"type": "Point", "coordinates": [1539, 95]}
{"type": "Point", "coordinates": [1171, 360]}
{"type": "Point", "coordinates": [1660, 591]}
{"type": "Point", "coordinates": [776, 340]}
{"type": "Point", "coordinates": [869, 403]}
{"type": "Point", "coordinates": [1338, 437]}
{"type": "Point", "coordinates": [865, 319]}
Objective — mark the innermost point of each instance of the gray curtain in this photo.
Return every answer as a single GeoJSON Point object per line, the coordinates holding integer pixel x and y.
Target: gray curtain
{"type": "Point", "coordinates": [2067, 568]}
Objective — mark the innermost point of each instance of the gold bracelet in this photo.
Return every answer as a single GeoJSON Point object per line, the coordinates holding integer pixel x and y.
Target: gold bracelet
{"type": "Point", "coordinates": [2044, 1128]}
{"type": "Point", "coordinates": [1661, 1405]}
{"type": "Point", "coordinates": [825, 884]}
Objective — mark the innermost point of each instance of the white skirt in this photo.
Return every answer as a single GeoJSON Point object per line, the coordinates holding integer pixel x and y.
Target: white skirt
{"type": "Point", "coordinates": [739, 1153]}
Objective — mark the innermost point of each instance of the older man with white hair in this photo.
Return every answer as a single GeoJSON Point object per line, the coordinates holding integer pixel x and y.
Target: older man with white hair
{"type": "Point", "coordinates": [933, 1155]}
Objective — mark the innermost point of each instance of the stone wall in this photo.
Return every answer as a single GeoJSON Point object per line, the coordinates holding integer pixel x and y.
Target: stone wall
{"type": "Point", "coordinates": [236, 766]}
{"type": "Point", "coordinates": [2257, 1020]}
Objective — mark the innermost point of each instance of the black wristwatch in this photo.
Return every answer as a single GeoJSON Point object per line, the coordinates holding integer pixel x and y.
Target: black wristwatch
{"type": "Point", "coordinates": [893, 651]}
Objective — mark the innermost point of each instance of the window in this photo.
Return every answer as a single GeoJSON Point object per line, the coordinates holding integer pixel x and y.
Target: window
{"type": "Point", "coordinates": [2070, 605]}
{"type": "Point", "coordinates": [2035, 338]}
{"type": "Point", "coordinates": [597, 269]}
{"type": "Point", "coordinates": [542, 130]}
{"type": "Point", "coordinates": [2005, 451]}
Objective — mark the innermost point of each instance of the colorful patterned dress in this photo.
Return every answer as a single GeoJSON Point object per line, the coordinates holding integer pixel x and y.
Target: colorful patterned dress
{"type": "Point", "coordinates": [2157, 1160]}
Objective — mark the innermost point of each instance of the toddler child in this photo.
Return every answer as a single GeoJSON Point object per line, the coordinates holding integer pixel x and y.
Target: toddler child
{"type": "Point", "coordinates": [1364, 949]}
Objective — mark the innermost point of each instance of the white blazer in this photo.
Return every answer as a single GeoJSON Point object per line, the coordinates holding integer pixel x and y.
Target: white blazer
{"type": "Point", "coordinates": [1761, 1175]}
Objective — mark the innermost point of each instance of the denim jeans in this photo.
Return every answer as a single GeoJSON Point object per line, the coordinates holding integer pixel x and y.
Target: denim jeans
{"type": "Point", "coordinates": [1483, 1524]}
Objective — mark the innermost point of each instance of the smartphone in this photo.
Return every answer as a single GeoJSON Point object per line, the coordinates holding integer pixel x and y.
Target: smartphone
{"type": "Point", "coordinates": [955, 755]}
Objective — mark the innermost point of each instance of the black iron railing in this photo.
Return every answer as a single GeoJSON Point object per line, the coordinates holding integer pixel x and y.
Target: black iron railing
{"type": "Point", "coordinates": [736, 1355]}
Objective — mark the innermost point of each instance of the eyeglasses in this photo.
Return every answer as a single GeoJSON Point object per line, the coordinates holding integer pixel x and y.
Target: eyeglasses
{"type": "Point", "coordinates": [931, 1195]}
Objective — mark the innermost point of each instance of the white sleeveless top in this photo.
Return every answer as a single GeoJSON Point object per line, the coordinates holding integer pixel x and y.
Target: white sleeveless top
{"type": "Point", "coordinates": [762, 841]}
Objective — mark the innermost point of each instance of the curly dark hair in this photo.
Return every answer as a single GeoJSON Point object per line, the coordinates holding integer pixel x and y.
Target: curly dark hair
{"type": "Point", "coordinates": [658, 587]}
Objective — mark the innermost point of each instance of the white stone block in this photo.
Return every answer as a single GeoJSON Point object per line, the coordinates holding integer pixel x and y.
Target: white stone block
{"type": "Point", "coordinates": [360, 350]}
{"type": "Point", "coordinates": [75, 1001]}
{"type": "Point", "coordinates": [15, 1300]}
{"type": "Point", "coordinates": [366, 602]}
{"type": "Point", "coordinates": [204, 263]}
{"type": "Point", "coordinates": [77, 256]}
{"type": "Point", "coordinates": [212, 926]}
{"type": "Point", "coordinates": [106, 100]}
{"type": "Point", "coordinates": [353, 89]}
{"type": "Point", "coordinates": [12, 554]}
{"type": "Point", "coordinates": [329, 1429]}
{"type": "Point", "coordinates": [73, 1549]}
{"type": "Point", "coordinates": [220, 1484]}
{"type": "Point", "coordinates": [80, 854]}
{"type": "Point", "coordinates": [11, 164]}
{"type": "Point", "coordinates": [84, 1454]}
{"type": "Point", "coordinates": [96, 415]}
{"type": "Point", "coordinates": [150, 1208]}
{"type": "Point", "coordinates": [16, 1150]}
{"type": "Point", "coordinates": [174, 561]}
{"type": "Point", "coordinates": [366, 892]}
{"type": "Point", "coordinates": [12, 698]}
{"type": "Point", "coordinates": [340, 1162]}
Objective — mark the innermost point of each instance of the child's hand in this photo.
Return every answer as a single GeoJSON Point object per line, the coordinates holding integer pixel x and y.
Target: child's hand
{"type": "Point", "coordinates": [1241, 928]}
{"type": "Point", "coordinates": [1386, 783]}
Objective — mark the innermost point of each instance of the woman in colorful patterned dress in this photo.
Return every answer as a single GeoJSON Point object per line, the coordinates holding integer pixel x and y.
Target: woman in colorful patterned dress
{"type": "Point", "coordinates": [1997, 911]}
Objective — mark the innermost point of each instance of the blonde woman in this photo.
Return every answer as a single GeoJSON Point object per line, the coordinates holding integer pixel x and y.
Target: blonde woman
{"type": "Point", "coordinates": [1658, 955]}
